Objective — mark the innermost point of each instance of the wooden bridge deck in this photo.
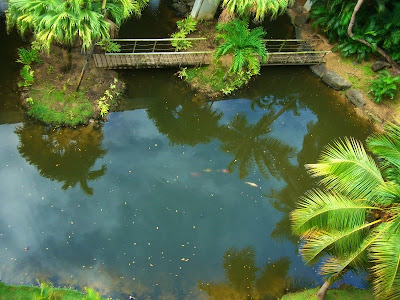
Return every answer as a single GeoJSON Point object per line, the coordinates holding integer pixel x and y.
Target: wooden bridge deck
{"type": "Point", "coordinates": [159, 53]}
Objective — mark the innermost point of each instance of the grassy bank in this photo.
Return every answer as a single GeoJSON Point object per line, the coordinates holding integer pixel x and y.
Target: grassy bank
{"type": "Point", "coordinates": [344, 293]}
{"type": "Point", "coordinates": [22, 292]}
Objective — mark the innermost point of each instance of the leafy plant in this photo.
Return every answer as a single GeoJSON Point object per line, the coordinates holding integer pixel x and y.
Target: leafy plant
{"type": "Point", "coordinates": [109, 46]}
{"type": "Point", "coordinates": [104, 106]}
{"type": "Point", "coordinates": [179, 41]}
{"type": "Point", "coordinates": [259, 8]}
{"type": "Point", "coordinates": [29, 100]}
{"type": "Point", "coordinates": [46, 291]}
{"type": "Point", "coordinates": [27, 75]}
{"type": "Point", "coordinates": [28, 57]}
{"type": "Point", "coordinates": [187, 25]}
{"type": "Point", "coordinates": [376, 23]}
{"type": "Point", "coordinates": [385, 86]}
{"type": "Point", "coordinates": [66, 21]}
{"type": "Point", "coordinates": [353, 222]}
{"type": "Point", "coordinates": [247, 46]}
{"type": "Point", "coordinates": [182, 73]}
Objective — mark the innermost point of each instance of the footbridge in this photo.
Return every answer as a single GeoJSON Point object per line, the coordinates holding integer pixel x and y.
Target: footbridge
{"type": "Point", "coordinates": [161, 53]}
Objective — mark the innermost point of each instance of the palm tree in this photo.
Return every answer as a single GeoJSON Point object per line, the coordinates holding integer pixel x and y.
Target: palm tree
{"type": "Point", "coordinates": [64, 22]}
{"type": "Point", "coordinates": [250, 144]}
{"type": "Point", "coordinates": [259, 8]}
{"type": "Point", "coordinates": [246, 46]}
{"type": "Point", "coordinates": [353, 222]}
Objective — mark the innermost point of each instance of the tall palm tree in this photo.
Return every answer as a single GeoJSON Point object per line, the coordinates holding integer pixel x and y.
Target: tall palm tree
{"type": "Point", "coordinates": [64, 22]}
{"type": "Point", "coordinates": [258, 8]}
{"type": "Point", "coordinates": [353, 221]}
{"type": "Point", "coordinates": [246, 46]}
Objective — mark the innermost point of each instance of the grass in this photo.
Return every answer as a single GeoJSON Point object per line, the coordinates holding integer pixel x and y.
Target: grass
{"type": "Point", "coordinates": [345, 293]}
{"type": "Point", "coordinates": [58, 107]}
{"type": "Point", "coordinates": [23, 292]}
{"type": "Point", "coordinates": [210, 79]}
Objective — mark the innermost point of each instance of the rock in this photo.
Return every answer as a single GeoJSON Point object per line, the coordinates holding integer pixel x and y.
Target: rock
{"type": "Point", "coordinates": [298, 9]}
{"type": "Point", "coordinates": [300, 20]}
{"type": "Point", "coordinates": [380, 65]}
{"type": "Point", "coordinates": [355, 97]}
{"type": "Point", "coordinates": [190, 3]}
{"type": "Point", "coordinates": [319, 70]}
{"type": "Point", "coordinates": [335, 81]}
{"type": "Point", "coordinates": [180, 7]}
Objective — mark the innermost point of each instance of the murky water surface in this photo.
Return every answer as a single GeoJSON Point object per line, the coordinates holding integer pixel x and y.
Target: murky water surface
{"type": "Point", "coordinates": [171, 198]}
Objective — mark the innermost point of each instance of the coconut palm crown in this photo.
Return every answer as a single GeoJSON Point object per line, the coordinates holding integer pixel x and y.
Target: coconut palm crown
{"type": "Point", "coordinates": [65, 21]}
{"type": "Point", "coordinates": [353, 221]}
{"type": "Point", "coordinates": [244, 44]}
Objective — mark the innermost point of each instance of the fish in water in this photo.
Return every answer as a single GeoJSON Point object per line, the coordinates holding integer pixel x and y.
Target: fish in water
{"type": "Point", "coordinates": [195, 174]}
{"type": "Point", "coordinates": [225, 171]}
{"type": "Point", "coordinates": [208, 170]}
{"type": "Point", "coordinates": [251, 184]}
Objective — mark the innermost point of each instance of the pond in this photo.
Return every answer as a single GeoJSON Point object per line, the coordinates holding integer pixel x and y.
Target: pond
{"type": "Point", "coordinates": [170, 198]}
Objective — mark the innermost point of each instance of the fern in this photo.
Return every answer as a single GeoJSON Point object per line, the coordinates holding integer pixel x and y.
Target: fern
{"type": "Point", "coordinates": [385, 86]}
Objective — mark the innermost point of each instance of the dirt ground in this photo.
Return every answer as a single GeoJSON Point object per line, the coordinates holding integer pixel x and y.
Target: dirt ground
{"type": "Point", "coordinates": [53, 72]}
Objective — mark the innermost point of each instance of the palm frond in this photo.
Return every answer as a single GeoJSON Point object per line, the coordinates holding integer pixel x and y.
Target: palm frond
{"type": "Point", "coordinates": [336, 243]}
{"type": "Point", "coordinates": [385, 255]}
{"type": "Point", "coordinates": [346, 167]}
{"type": "Point", "coordinates": [328, 210]}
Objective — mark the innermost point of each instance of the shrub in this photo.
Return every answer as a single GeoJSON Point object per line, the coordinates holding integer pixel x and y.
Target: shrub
{"type": "Point", "coordinates": [28, 57]}
{"type": "Point", "coordinates": [27, 76]}
{"type": "Point", "coordinates": [385, 86]}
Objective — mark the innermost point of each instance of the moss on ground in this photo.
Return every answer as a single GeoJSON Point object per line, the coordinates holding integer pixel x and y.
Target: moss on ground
{"type": "Point", "coordinates": [344, 293]}
{"type": "Point", "coordinates": [23, 292]}
{"type": "Point", "coordinates": [58, 107]}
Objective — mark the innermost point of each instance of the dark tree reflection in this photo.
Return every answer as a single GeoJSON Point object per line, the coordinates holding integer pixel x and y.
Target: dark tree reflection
{"type": "Point", "coordinates": [187, 123]}
{"type": "Point", "coordinates": [65, 155]}
{"type": "Point", "coordinates": [252, 145]}
{"type": "Point", "coordinates": [244, 280]}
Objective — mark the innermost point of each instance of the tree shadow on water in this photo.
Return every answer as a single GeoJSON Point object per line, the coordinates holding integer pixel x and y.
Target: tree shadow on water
{"type": "Point", "coordinates": [65, 155]}
{"type": "Point", "coordinates": [244, 280]}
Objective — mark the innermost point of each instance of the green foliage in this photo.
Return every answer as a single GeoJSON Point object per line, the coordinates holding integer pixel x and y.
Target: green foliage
{"type": "Point", "coordinates": [109, 46]}
{"type": "Point", "coordinates": [247, 46]}
{"type": "Point", "coordinates": [342, 293]}
{"type": "Point", "coordinates": [385, 86]}
{"type": "Point", "coordinates": [182, 74]}
{"type": "Point", "coordinates": [108, 99]}
{"type": "Point", "coordinates": [27, 75]}
{"type": "Point", "coordinates": [376, 22]}
{"type": "Point", "coordinates": [45, 291]}
{"type": "Point", "coordinates": [258, 8]}
{"type": "Point", "coordinates": [187, 25]}
{"type": "Point", "coordinates": [59, 107]}
{"type": "Point", "coordinates": [28, 57]}
{"type": "Point", "coordinates": [354, 220]}
{"type": "Point", "coordinates": [66, 21]}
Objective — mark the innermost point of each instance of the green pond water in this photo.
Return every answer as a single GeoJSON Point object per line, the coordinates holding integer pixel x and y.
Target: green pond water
{"type": "Point", "coordinates": [170, 198]}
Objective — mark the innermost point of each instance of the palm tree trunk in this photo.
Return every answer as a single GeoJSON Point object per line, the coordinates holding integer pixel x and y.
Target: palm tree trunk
{"type": "Point", "coordinates": [394, 64]}
{"type": "Point", "coordinates": [88, 57]}
{"type": "Point", "coordinates": [322, 291]}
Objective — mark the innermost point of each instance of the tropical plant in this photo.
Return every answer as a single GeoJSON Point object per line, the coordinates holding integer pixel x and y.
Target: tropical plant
{"type": "Point", "coordinates": [28, 57]}
{"type": "Point", "coordinates": [246, 46]}
{"type": "Point", "coordinates": [361, 29]}
{"type": "Point", "coordinates": [258, 8]}
{"type": "Point", "coordinates": [27, 75]}
{"type": "Point", "coordinates": [353, 221]}
{"type": "Point", "coordinates": [65, 22]}
{"type": "Point", "coordinates": [385, 86]}
{"type": "Point", "coordinates": [187, 25]}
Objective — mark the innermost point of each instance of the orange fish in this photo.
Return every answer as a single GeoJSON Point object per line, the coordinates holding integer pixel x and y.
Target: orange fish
{"type": "Point", "coordinates": [251, 184]}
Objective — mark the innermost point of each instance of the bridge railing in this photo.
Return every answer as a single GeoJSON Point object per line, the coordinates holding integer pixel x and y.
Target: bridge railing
{"type": "Point", "coordinates": [151, 45]}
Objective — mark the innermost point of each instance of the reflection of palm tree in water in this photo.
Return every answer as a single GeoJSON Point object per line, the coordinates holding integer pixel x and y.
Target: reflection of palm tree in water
{"type": "Point", "coordinates": [244, 281]}
{"type": "Point", "coordinates": [250, 145]}
{"type": "Point", "coordinates": [66, 155]}
{"type": "Point", "coordinates": [187, 123]}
